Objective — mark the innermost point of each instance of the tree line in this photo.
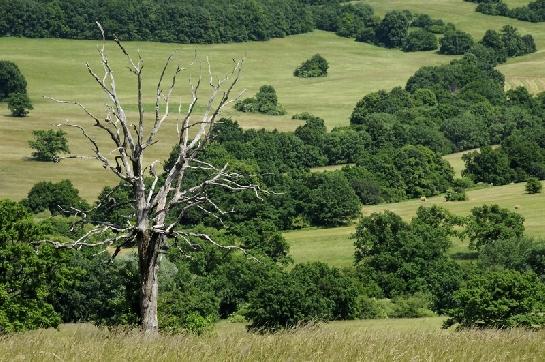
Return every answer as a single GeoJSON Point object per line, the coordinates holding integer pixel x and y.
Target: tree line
{"type": "Point", "coordinates": [533, 11]}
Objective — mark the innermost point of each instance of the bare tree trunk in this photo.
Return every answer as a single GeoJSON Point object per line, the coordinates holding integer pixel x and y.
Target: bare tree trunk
{"type": "Point", "coordinates": [149, 282]}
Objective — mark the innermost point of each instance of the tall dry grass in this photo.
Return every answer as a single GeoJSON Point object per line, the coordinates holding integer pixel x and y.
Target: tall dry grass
{"type": "Point", "coordinates": [324, 343]}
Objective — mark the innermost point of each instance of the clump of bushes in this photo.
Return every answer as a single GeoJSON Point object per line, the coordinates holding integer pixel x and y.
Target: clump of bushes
{"type": "Point", "coordinates": [499, 299]}
{"type": "Point", "coordinates": [316, 66]}
{"type": "Point", "coordinates": [533, 185]}
{"type": "Point", "coordinates": [265, 101]}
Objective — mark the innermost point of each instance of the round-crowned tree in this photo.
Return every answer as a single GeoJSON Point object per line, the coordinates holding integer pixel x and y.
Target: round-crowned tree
{"type": "Point", "coordinates": [456, 43]}
{"type": "Point", "coordinates": [11, 80]}
{"type": "Point", "coordinates": [316, 66]}
{"type": "Point", "coordinates": [533, 185]}
{"type": "Point", "coordinates": [49, 144]}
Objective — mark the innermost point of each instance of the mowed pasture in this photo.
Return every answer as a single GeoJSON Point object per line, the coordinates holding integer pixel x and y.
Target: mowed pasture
{"type": "Point", "coordinates": [56, 68]}
{"type": "Point", "coordinates": [336, 247]}
{"type": "Point", "coordinates": [383, 340]}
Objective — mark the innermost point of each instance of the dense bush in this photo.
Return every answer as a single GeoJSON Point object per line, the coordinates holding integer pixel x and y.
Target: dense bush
{"type": "Point", "coordinates": [533, 186]}
{"type": "Point", "coordinates": [393, 29]}
{"type": "Point", "coordinates": [19, 104]}
{"type": "Point", "coordinates": [488, 165]}
{"type": "Point", "coordinates": [309, 293]}
{"type": "Point", "coordinates": [402, 258]}
{"type": "Point", "coordinates": [48, 145]}
{"type": "Point", "coordinates": [490, 223]}
{"type": "Point", "coordinates": [420, 40]}
{"type": "Point", "coordinates": [500, 299]}
{"type": "Point", "coordinates": [265, 101]}
{"type": "Point", "coordinates": [59, 198]}
{"type": "Point", "coordinates": [314, 67]}
{"type": "Point", "coordinates": [11, 80]}
{"type": "Point", "coordinates": [456, 43]}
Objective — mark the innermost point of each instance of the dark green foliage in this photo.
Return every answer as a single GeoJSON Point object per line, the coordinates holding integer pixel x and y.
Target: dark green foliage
{"type": "Point", "coordinates": [24, 289]}
{"type": "Point", "coordinates": [488, 165]}
{"type": "Point", "coordinates": [499, 299]}
{"type": "Point", "coordinates": [533, 186]}
{"type": "Point", "coordinates": [490, 223]}
{"type": "Point", "coordinates": [328, 199]}
{"type": "Point", "coordinates": [508, 43]}
{"type": "Point", "coordinates": [314, 67]}
{"type": "Point", "coordinates": [19, 104]}
{"type": "Point", "coordinates": [347, 20]}
{"type": "Point", "coordinates": [466, 131]}
{"type": "Point", "coordinates": [393, 29]}
{"type": "Point", "coordinates": [403, 258]}
{"type": "Point", "coordinates": [533, 11]}
{"type": "Point", "coordinates": [191, 21]}
{"type": "Point", "coordinates": [456, 43]}
{"type": "Point", "coordinates": [456, 194]}
{"type": "Point", "coordinates": [48, 145]}
{"type": "Point", "coordinates": [59, 198]}
{"type": "Point", "coordinates": [309, 293]}
{"type": "Point", "coordinates": [265, 101]}
{"type": "Point", "coordinates": [512, 253]}
{"type": "Point", "coordinates": [11, 80]}
{"type": "Point", "coordinates": [16, 224]}
{"type": "Point", "coordinates": [313, 132]}
{"type": "Point", "coordinates": [420, 40]}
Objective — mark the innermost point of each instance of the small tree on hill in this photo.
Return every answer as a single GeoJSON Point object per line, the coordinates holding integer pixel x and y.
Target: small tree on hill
{"type": "Point", "coordinates": [533, 185]}
{"type": "Point", "coordinates": [316, 66]}
{"type": "Point", "coordinates": [11, 80]}
{"type": "Point", "coordinates": [49, 144]}
{"type": "Point", "coordinates": [265, 101]}
{"type": "Point", "coordinates": [19, 104]}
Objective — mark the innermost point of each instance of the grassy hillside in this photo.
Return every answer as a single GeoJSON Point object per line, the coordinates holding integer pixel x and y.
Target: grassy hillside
{"type": "Point", "coordinates": [56, 68]}
{"type": "Point", "coordinates": [385, 340]}
{"type": "Point", "coordinates": [335, 246]}
{"type": "Point", "coordinates": [528, 71]}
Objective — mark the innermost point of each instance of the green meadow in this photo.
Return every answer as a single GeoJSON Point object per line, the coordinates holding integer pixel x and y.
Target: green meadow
{"type": "Point", "coordinates": [56, 68]}
{"type": "Point", "coordinates": [367, 340]}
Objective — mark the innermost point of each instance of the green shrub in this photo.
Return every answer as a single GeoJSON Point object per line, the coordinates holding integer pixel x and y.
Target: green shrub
{"type": "Point", "coordinates": [19, 104]}
{"type": "Point", "coordinates": [533, 185]}
{"type": "Point", "coordinates": [420, 40]}
{"type": "Point", "coordinates": [265, 101]}
{"type": "Point", "coordinates": [48, 145]}
{"type": "Point", "coordinates": [456, 43]}
{"type": "Point", "coordinates": [456, 194]}
{"type": "Point", "coordinates": [373, 308]}
{"type": "Point", "coordinates": [499, 299]}
{"type": "Point", "coordinates": [314, 67]}
{"type": "Point", "coordinates": [12, 80]}
{"type": "Point", "coordinates": [412, 306]}
{"type": "Point", "coordinates": [58, 198]}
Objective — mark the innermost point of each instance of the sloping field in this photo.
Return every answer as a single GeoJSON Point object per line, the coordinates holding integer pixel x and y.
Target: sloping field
{"type": "Point", "coordinates": [56, 68]}
{"type": "Point", "coordinates": [335, 246]}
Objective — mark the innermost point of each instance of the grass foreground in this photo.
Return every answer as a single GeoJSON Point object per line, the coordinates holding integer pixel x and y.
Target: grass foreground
{"type": "Point", "coordinates": [388, 340]}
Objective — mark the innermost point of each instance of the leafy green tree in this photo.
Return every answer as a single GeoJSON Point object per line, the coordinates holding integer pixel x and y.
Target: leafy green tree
{"type": "Point", "coordinates": [19, 104]}
{"type": "Point", "coordinates": [533, 186]}
{"type": "Point", "coordinates": [16, 224]}
{"type": "Point", "coordinates": [488, 165]}
{"type": "Point", "coordinates": [456, 43]}
{"type": "Point", "coordinates": [393, 29]}
{"type": "Point", "coordinates": [316, 66]}
{"type": "Point", "coordinates": [329, 200]}
{"type": "Point", "coordinates": [488, 224]}
{"type": "Point", "coordinates": [12, 80]}
{"type": "Point", "coordinates": [59, 198]}
{"type": "Point", "coordinates": [420, 40]}
{"type": "Point", "coordinates": [403, 258]}
{"type": "Point", "coordinates": [313, 132]}
{"type": "Point", "coordinates": [466, 131]}
{"type": "Point", "coordinates": [499, 299]}
{"type": "Point", "coordinates": [310, 292]}
{"type": "Point", "coordinates": [49, 144]}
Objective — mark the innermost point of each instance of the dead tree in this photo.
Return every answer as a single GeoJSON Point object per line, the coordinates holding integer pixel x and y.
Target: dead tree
{"type": "Point", "coordinates": [155, 202]}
